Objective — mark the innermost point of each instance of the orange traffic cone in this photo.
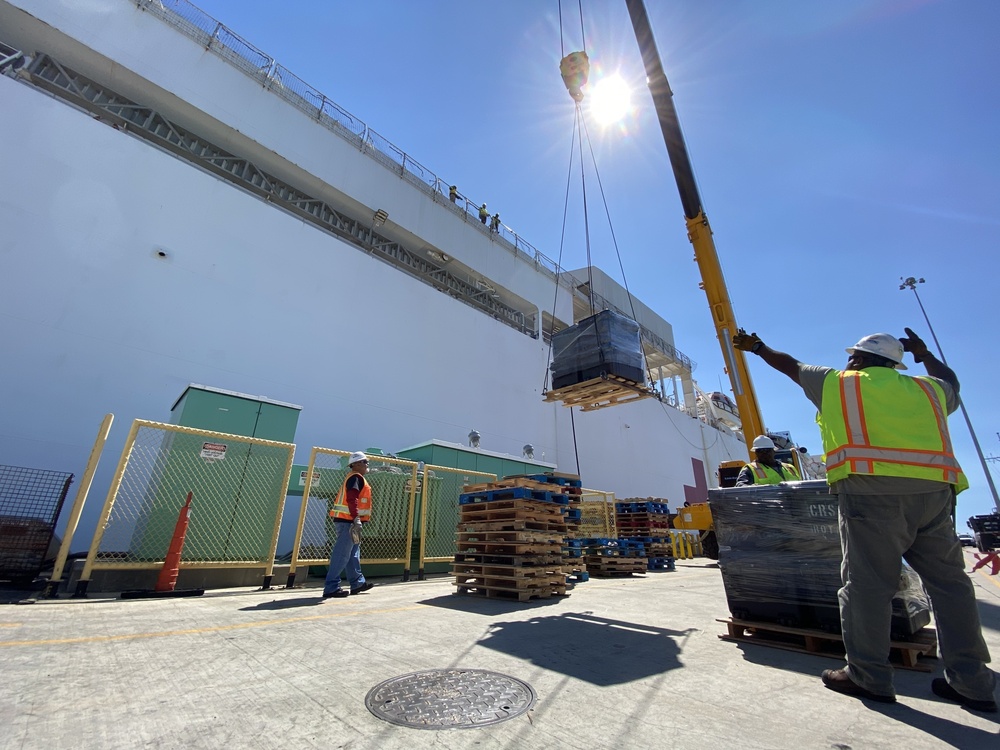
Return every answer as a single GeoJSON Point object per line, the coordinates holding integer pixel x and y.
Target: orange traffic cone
{"type": "Point", "coordinates": [171, 565]}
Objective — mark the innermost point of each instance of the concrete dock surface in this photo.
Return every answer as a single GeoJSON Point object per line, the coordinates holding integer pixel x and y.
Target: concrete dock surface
{"type": "Point", "coordinates": [619, 663]}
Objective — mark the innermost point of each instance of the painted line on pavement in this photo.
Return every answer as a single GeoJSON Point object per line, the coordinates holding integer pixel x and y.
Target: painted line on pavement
{"type": "Point", "coordinates": [195, 631]}
{"type": "Point", "coordinates": [991, 578]}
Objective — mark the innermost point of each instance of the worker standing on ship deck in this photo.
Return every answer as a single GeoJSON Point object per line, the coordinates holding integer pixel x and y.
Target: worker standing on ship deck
{"type": "Point", "coordinates": [351, 509]}
{"type": "Point", "coordinates": [453, 193]}
{"type": "Point", "coordinates": [495, 223]}
{"type": "Point", "coordinates": [891, 464]}
{"type": "Point", "coordinates": [766, 469]}
{"type": "Point", "coordinates": [483, 213]}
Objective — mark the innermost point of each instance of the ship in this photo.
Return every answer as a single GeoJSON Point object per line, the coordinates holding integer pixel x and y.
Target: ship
{"type": "Point", "coordinates": [216, 220]}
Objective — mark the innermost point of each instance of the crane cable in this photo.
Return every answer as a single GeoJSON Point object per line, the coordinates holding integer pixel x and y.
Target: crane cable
{"type": "Point", "coordinates": [575, 69]}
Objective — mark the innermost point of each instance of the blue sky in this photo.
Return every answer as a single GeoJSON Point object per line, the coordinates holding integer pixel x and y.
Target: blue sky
{"type": "Point", "coordinates": [838, 146]}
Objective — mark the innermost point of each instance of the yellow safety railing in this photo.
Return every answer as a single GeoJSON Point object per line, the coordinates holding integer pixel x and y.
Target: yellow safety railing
{"type": "Point", "coordinates": [597, 515]}
{"type": "Point", "coordinates": [238, 486]}
{"type": "Point", "coordinates": [387, 536]}
{"type": "Point", "coordinates": [440, 490]}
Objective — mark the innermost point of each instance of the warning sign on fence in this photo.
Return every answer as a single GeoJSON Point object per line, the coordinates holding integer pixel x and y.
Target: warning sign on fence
{"type": "Point", "coordinates": [213, 451]}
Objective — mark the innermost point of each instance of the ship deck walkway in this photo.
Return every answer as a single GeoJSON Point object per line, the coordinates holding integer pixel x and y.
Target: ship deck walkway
{"type": "Point", "coordinates": [621, 662]}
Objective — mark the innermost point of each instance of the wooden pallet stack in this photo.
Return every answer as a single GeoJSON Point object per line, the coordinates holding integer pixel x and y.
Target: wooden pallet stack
{"type": "Point", "coordinates": [610, 558]}
{"type": "Point", "coordinates": [647, 521]}
{"type": "Point", "coordinates": [570, 486]}
{"type": "Point", "coordinates": [510, 540]}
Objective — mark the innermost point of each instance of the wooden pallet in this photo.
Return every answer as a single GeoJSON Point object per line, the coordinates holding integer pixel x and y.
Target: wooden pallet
{"type": "Point", "coordinates": [524, 536]}
{"type": "Point", "coordinates": [903, 654]}
{"type": "Point", "coordinates": [513, 524]}
{"type": "Point", "coordinates": [503, 582]}
{"type": "Point", "coordinates": [517, 549]}
{"type": "Point", "coordinates": [510, 509]}
{"type": "Point", "coordinates": [600, 565]}
{"type": "Point", "coordinates": [508, 482]}
{"type": "Point", "coordinates": [488, 570]}
{"type": "Point", "coordinates": [599, 393]}
{"type": "Point", "coordinates": [505, 558]}
{"type": "Point", "coordinates": [515, 493]}
{"type": "Point", "coordinates": [499, 592]}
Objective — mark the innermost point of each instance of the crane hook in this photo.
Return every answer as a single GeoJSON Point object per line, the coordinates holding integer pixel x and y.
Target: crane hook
{"type": "Point", "coordinates": [575, 68]}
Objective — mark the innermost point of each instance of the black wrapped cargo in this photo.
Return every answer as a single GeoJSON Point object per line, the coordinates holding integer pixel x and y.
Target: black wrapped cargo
{"type": "Point", "coordinates": [603, 344]}
{"type": "Point", "coordinates": [779, 552]}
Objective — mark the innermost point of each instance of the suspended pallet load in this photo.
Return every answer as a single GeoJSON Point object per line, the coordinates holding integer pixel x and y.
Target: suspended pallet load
{"type": "Point", "coordinates": [598, 362]}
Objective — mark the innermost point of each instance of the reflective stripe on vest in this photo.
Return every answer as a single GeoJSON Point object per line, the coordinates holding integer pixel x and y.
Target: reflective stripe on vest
{"type": "Point", "coordinates": [909, 415]}
{"type": "Point", "coordinates": [767, 475]}
{"type": "Point", "coordinates": [342, 512]}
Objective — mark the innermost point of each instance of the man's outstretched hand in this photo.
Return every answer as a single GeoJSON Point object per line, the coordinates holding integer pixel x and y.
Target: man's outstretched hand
{"type": "Point", "coordinates": [915, 345]}
{"type": "Point", "coordinates": [747, 342]}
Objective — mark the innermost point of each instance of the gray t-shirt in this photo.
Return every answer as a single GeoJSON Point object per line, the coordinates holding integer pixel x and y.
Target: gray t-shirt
{"type": "Point", "coordinates": [811, 379]}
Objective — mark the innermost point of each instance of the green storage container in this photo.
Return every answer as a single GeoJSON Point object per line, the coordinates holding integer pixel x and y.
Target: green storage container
{"type": "Point", "coordinates": [230, 515]}
{"type": "Point", "coordinates": [457, 456]}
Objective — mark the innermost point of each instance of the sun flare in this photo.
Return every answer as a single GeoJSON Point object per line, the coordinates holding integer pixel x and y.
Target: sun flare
{"type": "Point", "coordinates": [610, 99]}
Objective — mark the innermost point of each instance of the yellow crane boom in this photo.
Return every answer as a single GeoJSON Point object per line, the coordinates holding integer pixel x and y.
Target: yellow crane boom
{"type": "Point", "coordinates": [699, 231]}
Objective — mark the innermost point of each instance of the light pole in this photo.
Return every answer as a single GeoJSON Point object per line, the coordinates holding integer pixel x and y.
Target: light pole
{"type": "Point", "coordinates": [911, 283]}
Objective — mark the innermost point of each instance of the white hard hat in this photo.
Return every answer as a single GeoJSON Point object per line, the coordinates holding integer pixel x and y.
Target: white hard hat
{"type": "Point", "coordinates": [762, 442]}
{"type": "Point", "coordinates": [355, 457]}
{"type": "Point", "coordinates": [882, 345]}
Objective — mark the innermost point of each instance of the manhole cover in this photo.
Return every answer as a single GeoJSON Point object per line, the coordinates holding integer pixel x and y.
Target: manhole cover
{"type": "Point", "coordinates": [450, 699]}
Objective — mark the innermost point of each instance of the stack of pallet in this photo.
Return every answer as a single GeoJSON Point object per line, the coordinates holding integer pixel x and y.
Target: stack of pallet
{"type": "Point", "coordinates": [574, 567]}
{"type": "Point", "coordinates": [570, 486]}
{"type": "Point", "coordinates": [647, 521]}
{"type": "Point", "coordinates": [607, 558]}
{"type": "Point", "coordinates": [510, 540]}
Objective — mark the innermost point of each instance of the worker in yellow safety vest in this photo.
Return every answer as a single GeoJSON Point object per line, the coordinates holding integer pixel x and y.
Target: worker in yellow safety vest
{"type": "Point", "coordinates": [766, 469]}
{"type": "Point", "coordinates": [351, 509]}
{"type": "Point", "coordinates": [484, 214]}
{"type": "Point", "coordinates": [892, 466]}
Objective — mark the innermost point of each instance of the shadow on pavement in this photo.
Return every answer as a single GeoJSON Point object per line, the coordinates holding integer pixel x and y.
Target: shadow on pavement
{"type": "Point", "coordinates": [593, 649]}
{"type": "Point", "coordinates": [301, 601]}
{"type": "Point", "coordinates": [949, 732]}
{"type": "Point", "coordinates": [481, 605]}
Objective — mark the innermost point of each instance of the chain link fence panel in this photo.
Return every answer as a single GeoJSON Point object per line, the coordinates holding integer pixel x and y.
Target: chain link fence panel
{"type": "Point", "coordinates": [387, 537]}
{"type": "Point", "coordinates": [439, 510]}
{"type": "Point", "coordinates": [597, 515]}
{"type": "Point", "coordinates": [238, 486]}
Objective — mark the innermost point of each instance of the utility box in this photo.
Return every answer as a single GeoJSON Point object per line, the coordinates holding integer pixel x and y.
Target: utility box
{"type": "Point", "coordinates": [215, 409]}
{"type": "Point", "coordinates": [238, 487]}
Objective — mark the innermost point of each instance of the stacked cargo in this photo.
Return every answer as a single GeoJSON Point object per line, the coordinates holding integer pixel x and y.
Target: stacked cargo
{"type": "Point", "coordinates": [510, 539]}
{"type": "Point", "coordinates": [779, 552]}
{"type": "Point", "coordinates": [598, 362]}
{"type": "Point", "coordinates": [605, 344]}
{"type": "Point", "coordinates": [607, 558]}
{"type": "Point", "coordinates": [646, 521]}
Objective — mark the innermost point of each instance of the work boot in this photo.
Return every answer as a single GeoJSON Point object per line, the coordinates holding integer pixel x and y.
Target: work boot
{"type": "Point", "coordinates": [839, 681]}
{"type": "Point", "coordinates": [941, 688]}
{"type": "Point", "coordinates": [338, 594]}
{"type": "Point", "coordinates": [366, 586]}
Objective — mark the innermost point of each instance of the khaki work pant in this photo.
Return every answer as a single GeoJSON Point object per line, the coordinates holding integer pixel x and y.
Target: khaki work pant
{"type": "Point", "coordinates": [876, 532]}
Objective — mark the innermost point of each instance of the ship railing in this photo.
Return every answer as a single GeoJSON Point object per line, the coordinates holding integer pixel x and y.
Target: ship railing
{"type": "Point", "coordinates": [9, 57]}
{"type": "Point", "coordinates": [215, 36]}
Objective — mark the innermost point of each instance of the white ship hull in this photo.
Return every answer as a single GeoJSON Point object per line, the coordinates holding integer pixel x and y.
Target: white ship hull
{"type": "Point", "coordinates": [129, 273]}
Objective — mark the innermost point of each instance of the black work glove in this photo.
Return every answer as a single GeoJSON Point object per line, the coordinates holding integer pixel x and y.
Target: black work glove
{"type": "Point", "coordinates": [915, 345]}
{"type": "Point", "coordinates": [748, 342]}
